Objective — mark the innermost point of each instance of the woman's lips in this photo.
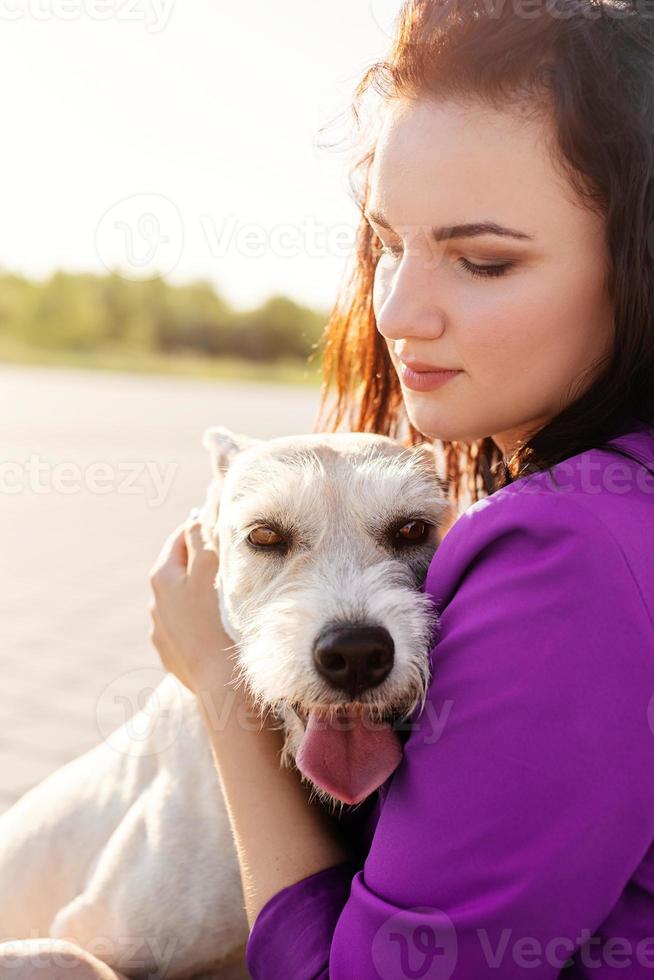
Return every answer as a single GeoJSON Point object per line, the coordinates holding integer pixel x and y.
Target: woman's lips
{"type": "Point", "coordinates": [424, 380]}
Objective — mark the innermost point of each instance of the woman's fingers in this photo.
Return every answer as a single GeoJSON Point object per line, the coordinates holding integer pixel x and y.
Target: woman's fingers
{"type": "Point", "coordinates": [199, 555]}
{"type": "Point", "coordinates": [183, 552]}
{"type": "Point", "coordinates": [173, 557]}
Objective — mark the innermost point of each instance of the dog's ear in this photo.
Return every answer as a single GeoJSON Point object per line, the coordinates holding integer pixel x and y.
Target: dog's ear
{"type": "Point", "coordinates": [223, 445]}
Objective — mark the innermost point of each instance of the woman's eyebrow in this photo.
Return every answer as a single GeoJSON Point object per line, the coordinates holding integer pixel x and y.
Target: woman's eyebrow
{"type": "Point", "coordinates": [469, 230]}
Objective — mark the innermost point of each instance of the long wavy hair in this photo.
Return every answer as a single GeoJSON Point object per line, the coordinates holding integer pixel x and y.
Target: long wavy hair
{"type": "Point", "coordinates": [590, 66]}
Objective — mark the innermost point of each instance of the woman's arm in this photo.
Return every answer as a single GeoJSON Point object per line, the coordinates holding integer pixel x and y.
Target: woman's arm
{"type": "Point", "coordinates": [280, 837]}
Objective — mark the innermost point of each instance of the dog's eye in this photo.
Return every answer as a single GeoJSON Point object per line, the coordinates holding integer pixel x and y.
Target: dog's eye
{"type": "Point", "coordinates": [265, 537]}
{"type": "Point", "coordinates": [413, 531]}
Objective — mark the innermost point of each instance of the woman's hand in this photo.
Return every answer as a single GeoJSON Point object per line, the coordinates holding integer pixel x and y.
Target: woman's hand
{"type": "Point", "coordinates": [187, 629]}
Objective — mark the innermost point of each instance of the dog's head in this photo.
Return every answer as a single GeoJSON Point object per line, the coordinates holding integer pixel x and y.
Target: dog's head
{"type": "Point", "coordinates": [324, 541]}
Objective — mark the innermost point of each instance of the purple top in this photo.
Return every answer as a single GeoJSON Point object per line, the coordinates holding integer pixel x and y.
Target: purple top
{"type": "Point", "coordinates": [516, 834]}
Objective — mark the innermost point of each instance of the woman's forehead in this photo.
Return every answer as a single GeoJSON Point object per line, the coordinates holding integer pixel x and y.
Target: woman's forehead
{"type": "Point", "coordinates": [445, 164]}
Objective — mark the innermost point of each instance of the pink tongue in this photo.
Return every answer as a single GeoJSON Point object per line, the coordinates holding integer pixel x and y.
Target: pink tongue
{"type": "Point", "coordinates": [350, 756]}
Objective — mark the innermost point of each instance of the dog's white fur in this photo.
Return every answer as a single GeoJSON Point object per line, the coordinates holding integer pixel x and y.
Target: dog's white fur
{"type": "Point", "coordinates": [130, 844]}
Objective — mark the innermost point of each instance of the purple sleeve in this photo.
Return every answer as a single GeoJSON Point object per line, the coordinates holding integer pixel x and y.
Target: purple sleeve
{"type": "Point", "coordinates": [525, 799]}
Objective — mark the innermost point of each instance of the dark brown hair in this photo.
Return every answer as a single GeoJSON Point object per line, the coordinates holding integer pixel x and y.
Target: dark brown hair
{"type": "Point", "coordinates": [590, 66]}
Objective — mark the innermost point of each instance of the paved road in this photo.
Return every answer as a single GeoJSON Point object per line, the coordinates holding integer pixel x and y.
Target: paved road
{"type": "Point", "coordinates": [79, 540]}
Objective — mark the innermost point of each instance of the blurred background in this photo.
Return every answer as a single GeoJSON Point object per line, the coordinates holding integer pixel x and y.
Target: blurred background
{"type": "Point", "coordinates": [176, 223]}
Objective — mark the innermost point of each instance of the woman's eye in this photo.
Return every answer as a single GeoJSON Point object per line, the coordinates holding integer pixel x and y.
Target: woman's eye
{"type": "Point", "coordinates": [482, 271]}
{"type": "Point", "coordinates": [485, 270]}
{"type": "Point", "coordinates": [413, 531]}
{"type": "Point", "coordinates": [265, 537]}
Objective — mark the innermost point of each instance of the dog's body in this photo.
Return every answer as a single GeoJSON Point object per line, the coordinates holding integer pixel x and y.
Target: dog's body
{"type": "Point", "coordinates": [127, 850]}
{"type": "Point", "coordinates": [129, 853]}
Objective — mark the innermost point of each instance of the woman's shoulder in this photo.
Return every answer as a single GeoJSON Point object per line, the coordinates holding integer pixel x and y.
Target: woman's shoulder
{"type": "Point", "coordinates": [591, 516]}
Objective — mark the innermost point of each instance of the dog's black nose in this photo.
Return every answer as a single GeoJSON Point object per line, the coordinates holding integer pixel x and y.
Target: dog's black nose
{"type": "Point", "coordinates": [353, 658]}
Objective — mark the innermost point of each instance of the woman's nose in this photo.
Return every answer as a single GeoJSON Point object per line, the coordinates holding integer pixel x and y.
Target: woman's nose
{"type": "Point", "coordinates": [407, 308]}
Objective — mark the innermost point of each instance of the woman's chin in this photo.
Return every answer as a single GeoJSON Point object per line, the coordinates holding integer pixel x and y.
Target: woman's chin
{"type": "Point", "coordinates": [433, 426]}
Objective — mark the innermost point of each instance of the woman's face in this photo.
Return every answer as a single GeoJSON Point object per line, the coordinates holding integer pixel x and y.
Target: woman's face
{"type": "Point", "coordinates": [523, 335]}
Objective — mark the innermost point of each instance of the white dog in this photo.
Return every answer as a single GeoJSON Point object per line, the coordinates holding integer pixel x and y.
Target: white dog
{"type": "Point", "coordinates": [324, 541]}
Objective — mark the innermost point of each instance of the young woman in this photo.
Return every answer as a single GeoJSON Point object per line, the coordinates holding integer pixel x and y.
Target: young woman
{"type": "Point", "coordinates": [508, 201]}
{"type": "Point", "coordinates": [507, 213]}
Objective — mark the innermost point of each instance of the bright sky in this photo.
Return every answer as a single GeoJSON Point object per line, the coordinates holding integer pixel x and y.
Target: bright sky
{"type": "Point", "coordinates": [180, 136]}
